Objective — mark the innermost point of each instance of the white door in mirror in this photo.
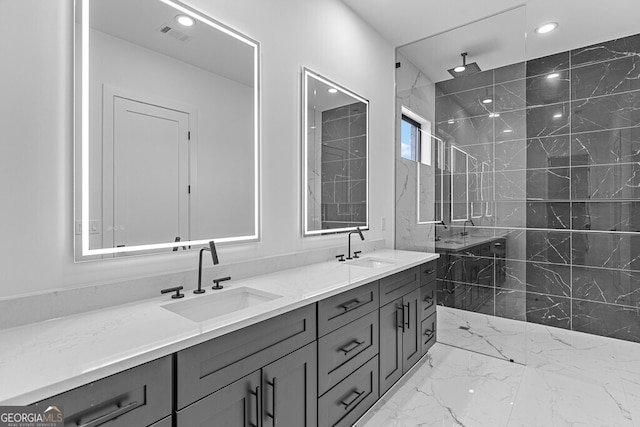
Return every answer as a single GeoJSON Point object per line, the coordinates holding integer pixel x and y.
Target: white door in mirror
{"type": "Point", "coordinates": [147, 204]}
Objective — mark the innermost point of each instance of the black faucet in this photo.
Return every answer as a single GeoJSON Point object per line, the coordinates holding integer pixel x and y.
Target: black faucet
{"type": "Point", "coordinates": [349, 238]}
{"type": "Point", "coordinates": [464, 226]}
{"type": "Point", "coordinates": [214, 256]}
{"type": "Point", "coordinates": [438, 238]}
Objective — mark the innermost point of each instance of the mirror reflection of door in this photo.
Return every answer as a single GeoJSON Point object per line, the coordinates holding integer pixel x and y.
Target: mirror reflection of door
{"type": "Point", "coordinates": [146, 199]}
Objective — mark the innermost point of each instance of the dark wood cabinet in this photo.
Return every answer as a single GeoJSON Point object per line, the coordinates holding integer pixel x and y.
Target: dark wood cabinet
{"type": "Point", "coordinates": [390, 344]}
{"type": "Point", "coordinates": [411, 346]}
{"type": "Point", "coordinates": [289, 390]}
{"type": "Point", "coordinates": [401, 320]}
{"type": "Point", "coordinates": [139, 396]}
{"type": "Point", "coordinates": [236, 405]}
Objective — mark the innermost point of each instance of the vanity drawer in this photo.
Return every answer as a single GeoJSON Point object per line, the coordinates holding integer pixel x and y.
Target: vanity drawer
{"type": "Point", "coordinates": [346, 307]}
{"type": "Point", "coordinates": [428, 299]}
{"type": "Point", "coordinates": [343, 350]}
{"type": "Point", "coordinates": [139, 396]}
{"type": "Point", "coordinates": [428, 330]}
{"type": "Point", "coordinates": [207, 367]}
{"type": "Point", "coordinates": [428, 272]}
{"type": "Point", "coordinates": [347, 401]}
{"type": "Point", "coordinates": [398, 285]}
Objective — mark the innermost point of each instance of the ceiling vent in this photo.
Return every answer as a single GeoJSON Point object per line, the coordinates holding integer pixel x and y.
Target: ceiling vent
{"type": "Point", "coordinates": [173, 33]}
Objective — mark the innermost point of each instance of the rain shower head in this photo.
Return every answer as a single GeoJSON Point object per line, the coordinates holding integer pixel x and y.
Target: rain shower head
{"type": "Point", "coordinates": [464, 69]}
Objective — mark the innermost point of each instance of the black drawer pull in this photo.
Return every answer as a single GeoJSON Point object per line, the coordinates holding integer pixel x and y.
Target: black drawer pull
{"type": "Point", "coordinates": [356, 395]}
{"type": "Point", "coordinates": [257, 395]}
{"type": "Point", "coordinates": [429, 334]}
{"type": "Point", "coordinates": [350, 305]}
{"type": "Point", "coordinates": [429, 271]}
{"type": "Point", "coordinates": [428, 300]}
{"type": "Point", "coordinates": [110, 416]}
{"type": "Point", "coordinates": [352, 346]}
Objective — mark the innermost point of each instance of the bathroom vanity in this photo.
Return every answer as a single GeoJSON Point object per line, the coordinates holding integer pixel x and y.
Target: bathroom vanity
{"type": "Point", "coordinates": [313, 345]}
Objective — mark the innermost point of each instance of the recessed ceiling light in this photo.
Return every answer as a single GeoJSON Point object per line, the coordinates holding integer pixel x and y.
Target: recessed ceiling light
{"type": "Point", "coordinates": [493, 115]}
{"type": "Point", "coordinates": [332, 90]}
{"type": "Point", "coordinates": [553, 75]}
{"type": "Point", "coordinates": [507, 130]}
{"type": "Point", "coordinates": [557, 115]}
{"type": "Point", "coordinates": [487, 101]}
{"type": "Point", "coordinates": [546, 28]}
{"type": "Point", "coordinates": [185, 20]}
{"type": "Point", "coordinates": [459, 68]}
{"type": "Point", "coordinates": [450, 121]}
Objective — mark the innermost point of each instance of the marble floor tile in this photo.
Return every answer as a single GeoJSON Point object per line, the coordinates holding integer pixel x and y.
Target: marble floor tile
{"type": "Point", "coordinates": [456, 387]}
{"type": "Point", "coordinates": [570, 379]}
{"type": "Point", "coordinates": [576, 354]}
{"type": "Point", "coordinates": [490, 335]}
{"type": "Point", "coordinates": [552, 399]}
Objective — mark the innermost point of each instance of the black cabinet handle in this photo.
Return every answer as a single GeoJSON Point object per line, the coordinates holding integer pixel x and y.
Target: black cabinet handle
{"type": "Point", "coordinates": [273, 415]}
{"type": "Point", "coordinates": [111, 415]}
{"type": "Point", "coordinates": [356, 395]}
{"type": "Point", "coordinates": [400, 324]}
{"type": "Point", "coordinates": [257, 395]}
{"type": "Point", "coordinates": [408, 323]}
{"type": "Point", "coordinates": [351, 346]}
{"type": "Point", "coordinates": [350, 305]}
{"type": "Point", "coordinates": [429, 271]}
{"type": "Point", "coordinates": [428, 334]}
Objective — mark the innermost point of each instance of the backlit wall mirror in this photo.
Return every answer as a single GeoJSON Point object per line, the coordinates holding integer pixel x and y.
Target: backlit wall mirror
{"type": "Point", "coordinates": [167, 129]}
{"type": "Point", "coordinates": [335, 148]}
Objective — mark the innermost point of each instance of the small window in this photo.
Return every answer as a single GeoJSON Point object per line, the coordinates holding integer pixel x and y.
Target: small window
{"type": "Point", "coordinates": [409, 138]}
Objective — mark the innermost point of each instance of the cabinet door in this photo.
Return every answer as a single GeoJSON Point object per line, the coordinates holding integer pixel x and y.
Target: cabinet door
{"type": "Point", "coordinates": [236, 405]}
{"type": "Point", "coordinates": [411, 345]}
{"type": "Point", "coordinates": [390, 344]}
{"type": "Point", "coordinates": [290, 390]}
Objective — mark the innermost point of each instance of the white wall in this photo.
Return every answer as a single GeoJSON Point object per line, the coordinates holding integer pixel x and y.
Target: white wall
{"type": "Point", "coordinates": [36, 154]}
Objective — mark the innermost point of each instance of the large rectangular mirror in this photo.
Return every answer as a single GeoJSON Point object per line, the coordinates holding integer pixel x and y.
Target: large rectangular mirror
{"type": "Point", "coordinates": [167, 129]}
{"type": "Point", "coordinates": [335, 147]}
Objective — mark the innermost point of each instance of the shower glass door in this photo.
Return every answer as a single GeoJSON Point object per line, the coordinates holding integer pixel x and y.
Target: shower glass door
{"type": "Point", "coordinates": [476, 178]}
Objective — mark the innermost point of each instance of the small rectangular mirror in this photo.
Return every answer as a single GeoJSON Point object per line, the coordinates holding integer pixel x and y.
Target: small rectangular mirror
{"type": "Point", "coordinates": [335, 148]}
{"type": "Point", "coordinates": [167, 129]}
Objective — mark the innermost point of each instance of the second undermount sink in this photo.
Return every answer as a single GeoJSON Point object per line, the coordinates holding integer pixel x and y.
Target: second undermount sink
{"type": "Point", "coordinates": [219, 303]}
{"type": "Point", "coordinates": [371, 262]}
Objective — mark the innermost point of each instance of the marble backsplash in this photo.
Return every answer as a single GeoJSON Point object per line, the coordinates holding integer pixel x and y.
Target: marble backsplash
{"type": "Point", "coordinates": [39, 307]}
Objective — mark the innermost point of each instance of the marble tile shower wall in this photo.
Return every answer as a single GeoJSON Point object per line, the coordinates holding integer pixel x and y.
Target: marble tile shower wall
{"type": "Point", "coordinates": [562, 138]}
{"type": "Point", "coordinates": [344, 166]}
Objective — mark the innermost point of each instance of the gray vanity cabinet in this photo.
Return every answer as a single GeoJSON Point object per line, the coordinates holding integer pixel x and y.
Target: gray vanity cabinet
{"type": "Point", "coordinates": [282, 393]}
{"type": "Point", "coordinates": [139, 396]}
{"type": "Point", "coordinates": [236, 405]}
{"type": "Point", "coordinates": [400, 325]}
{"type": "Point", "coordinates": [289, 390]}
{"type": "Point", "coordinates": [207, 367]}
{"type": "Point", "coordinates": [428, 305]}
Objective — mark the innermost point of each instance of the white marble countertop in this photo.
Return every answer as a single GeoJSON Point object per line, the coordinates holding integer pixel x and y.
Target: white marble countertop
{"type": "Point", "coordinates": [43, 359]}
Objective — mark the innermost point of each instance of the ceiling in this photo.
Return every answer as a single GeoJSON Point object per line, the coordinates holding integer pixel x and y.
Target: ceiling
{"type": "Point", "coordinates": [582, 23]}
{"type": "Point", "coordinates": [202, 45]}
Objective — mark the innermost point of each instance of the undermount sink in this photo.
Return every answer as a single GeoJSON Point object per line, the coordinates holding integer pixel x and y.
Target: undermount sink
{"type": "Point", "coordinates": [220, 303]}
{"type": "Point", "coordinates": [370, 262]}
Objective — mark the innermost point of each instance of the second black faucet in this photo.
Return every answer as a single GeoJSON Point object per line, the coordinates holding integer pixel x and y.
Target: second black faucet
{"type": "Point", "coordinates": [349, 244]}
